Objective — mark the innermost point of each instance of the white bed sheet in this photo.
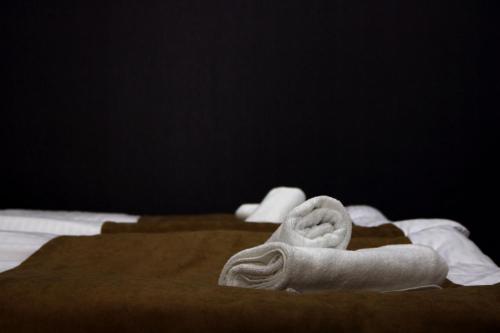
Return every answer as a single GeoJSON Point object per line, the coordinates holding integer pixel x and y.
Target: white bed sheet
{"type": "Point", "coordinates": [59, 222]}
{"type": "Point", "coordinates": [71, 215]}
{"type": "Point", "coordinates": [15, 247]}
{"type": "Point", "coordinates": [467, 264]}
{"type": "Point", "coordinates": [24, 231]}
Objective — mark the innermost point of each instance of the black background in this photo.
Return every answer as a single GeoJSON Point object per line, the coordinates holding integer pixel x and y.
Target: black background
{"type": "Point", "coordinates": [198, 106]}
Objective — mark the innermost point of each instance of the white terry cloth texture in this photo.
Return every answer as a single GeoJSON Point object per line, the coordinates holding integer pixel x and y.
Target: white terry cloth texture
{"type": "Point", "coordinates": [319, 222]}
{"type": "Point", "coordinates": [277, 204]}
{"type": "Point", "coordinates": [15, 247]}
{"type": "Point", "coordinates": [468, 265]}
{"type": "Point", "coordinates": [280, 266]}
{"type": "Point", "coordinates": [58, 222]}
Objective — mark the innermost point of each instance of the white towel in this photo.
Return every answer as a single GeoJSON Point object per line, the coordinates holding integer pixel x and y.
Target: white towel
{"type": "Point", "coordinates": [388, 268]}
{"type": "Point", "coordinates": [277, 204]}
{"type": "Point", "coordinates": [319, 222]}
{"type": "Point", "coordinates": [366, 216]}
{"type": "Point", "coordinates": [468, 265]}
{"type": "Point", "coordinates": [246, 210]}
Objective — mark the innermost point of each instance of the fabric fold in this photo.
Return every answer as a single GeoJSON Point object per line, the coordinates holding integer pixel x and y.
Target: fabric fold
{"type": "Point", "coordinates": [76, 216]}
{"type": "Point", "coordinates": [276, 205]}
{"type": "Point", "coordinates": [366, 216]}
{"type": "Point", "coordinates": [58, 222]}
{"type": "Point", "coordinates": [279, 266]}
{"type": "Point", "coordinates": [50, 226]}
{"type": "Point", "coordinates": [15, 247]}
{"type": "Point", "coordinates": [319, 222]}
{"type": "Point", "coordinates": [245, 210]}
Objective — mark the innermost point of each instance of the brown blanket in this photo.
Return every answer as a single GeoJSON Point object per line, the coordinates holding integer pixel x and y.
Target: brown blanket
{"type": "Point", "coordinates": [160, 275]}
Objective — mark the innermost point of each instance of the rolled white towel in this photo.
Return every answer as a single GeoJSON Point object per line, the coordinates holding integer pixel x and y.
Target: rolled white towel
{"type": "Point", "coordinates": [280, 266]}
{"type": "Point", "coordinates": [277, 204]}
{"type": "Point", "coordinates": [319, 222]}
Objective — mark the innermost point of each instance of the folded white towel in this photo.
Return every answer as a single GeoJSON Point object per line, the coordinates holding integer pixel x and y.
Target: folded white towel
{"type": "Point", "coordinates": [360, 214]}
{"type": "Point", "coordinates": [246, 210]}
{"type": "Point", "coordinates": [366, 216]}
{"type": "Point", "coordinates": [280, 266]}
{"type": "Point", "coordinates": [319, 222]}
{"type": "Point", "coordinates": [277, 204]}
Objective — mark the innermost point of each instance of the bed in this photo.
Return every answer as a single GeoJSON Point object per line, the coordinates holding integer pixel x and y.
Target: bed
{"type": "Point", "coordinates": [160, 274]}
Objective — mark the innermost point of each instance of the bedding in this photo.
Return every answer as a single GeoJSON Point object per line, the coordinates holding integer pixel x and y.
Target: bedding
{"type": "Point", "coordinates": [467, 264]}
{"type": "Point", "coordinates": [58, 222]}
{"type": "Point", "coordinates": [280, 266]}
{"type": "Point", "coordinates": [319, 222]}
{"type": "Point", "coordinates": [15, 247]}
{"type": "Point", "coordinates": [160, 274]}
{"type": "Point", "coordinates": [276, 205]}
{"type": "Point", "coordinates": [77, 216]}
{"type": "Point", "coordinates": [307, 253]}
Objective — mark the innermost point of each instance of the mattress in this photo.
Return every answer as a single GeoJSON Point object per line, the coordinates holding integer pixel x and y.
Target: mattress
{"type": "Point", "coordinates": [160, 274]}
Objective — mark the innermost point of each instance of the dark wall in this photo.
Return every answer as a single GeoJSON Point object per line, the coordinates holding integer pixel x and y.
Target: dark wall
{"type": "Point", "coordinates": [198, 106]}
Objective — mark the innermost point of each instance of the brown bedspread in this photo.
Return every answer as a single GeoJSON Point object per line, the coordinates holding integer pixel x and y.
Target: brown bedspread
{"type": "Point", "coordinates": [160, 275]}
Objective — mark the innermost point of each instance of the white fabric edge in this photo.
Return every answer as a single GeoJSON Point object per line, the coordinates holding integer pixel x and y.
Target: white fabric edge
{"type": "Point", "coordinates": [25, 231]}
